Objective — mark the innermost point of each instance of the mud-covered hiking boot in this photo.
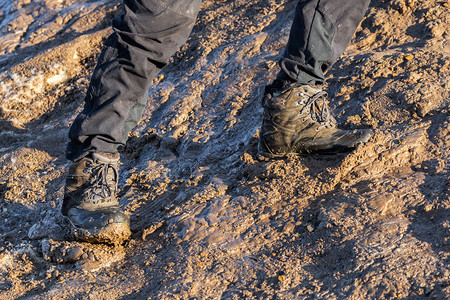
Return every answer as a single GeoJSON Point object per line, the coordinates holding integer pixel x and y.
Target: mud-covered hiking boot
{"type": "Point", "coordinates": [297, 120]}
{"type": "Point", "coordinates": [90, 205]}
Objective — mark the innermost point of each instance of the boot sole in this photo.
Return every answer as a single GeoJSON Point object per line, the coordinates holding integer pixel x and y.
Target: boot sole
{"type": "Point", "coordinates": [321, 150]}
{"type": "Point", "coordinates": [334, 151]}
{"type": "Point", "coordinates": [115, 233]}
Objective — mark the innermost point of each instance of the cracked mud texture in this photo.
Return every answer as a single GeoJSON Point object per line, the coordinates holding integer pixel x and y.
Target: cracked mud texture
{"type": "Point", "coordinates": [210, 220]}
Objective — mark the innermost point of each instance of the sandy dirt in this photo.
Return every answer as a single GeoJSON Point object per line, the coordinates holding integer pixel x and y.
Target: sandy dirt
{"type": "Point", "coordinates": [210, 219]}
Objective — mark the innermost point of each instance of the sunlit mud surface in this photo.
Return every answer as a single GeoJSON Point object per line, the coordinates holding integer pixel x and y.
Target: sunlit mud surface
{"type": "Point", "coordinates": [210, 219]}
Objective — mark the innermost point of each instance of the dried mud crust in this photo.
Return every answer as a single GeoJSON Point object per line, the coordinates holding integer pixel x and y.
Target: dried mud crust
{"type": "Point", "coordinates": [209, 219]}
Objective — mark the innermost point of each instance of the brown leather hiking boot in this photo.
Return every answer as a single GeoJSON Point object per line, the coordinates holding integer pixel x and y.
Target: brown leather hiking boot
{"type": "Point", "coordinates": [90, 205]}
{"type": "Point", "coordinates": [297, 120]}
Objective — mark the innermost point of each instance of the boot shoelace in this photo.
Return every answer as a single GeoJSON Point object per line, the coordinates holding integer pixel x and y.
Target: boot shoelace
{"type": "Point", "coordinates": [318, 108]}
{"type": "Point", "coordinates": [99, 173]}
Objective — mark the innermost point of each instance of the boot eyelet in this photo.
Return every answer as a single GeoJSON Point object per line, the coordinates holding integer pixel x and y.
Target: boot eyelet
{"type": "Point", "coordinates": [300, 94]}
{"type": "Point", "coordinates": [299, 102]}
{"type": "Point", "coordinates": [304, 120]}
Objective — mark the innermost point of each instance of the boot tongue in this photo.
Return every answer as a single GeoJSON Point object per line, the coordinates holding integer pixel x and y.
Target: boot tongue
{"type": "Point", "coordinates": [107, 158]}
{"type": "Point", "coordinates": [105, 176]}
{"type": "Point", "coordinates": [319, 110]}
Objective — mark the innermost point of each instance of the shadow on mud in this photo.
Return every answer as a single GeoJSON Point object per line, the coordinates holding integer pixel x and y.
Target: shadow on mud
{"type": "Point", "coordinates": [430, 223]}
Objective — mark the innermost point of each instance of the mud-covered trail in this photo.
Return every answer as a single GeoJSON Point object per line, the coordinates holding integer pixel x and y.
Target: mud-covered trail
{"type": "Point", "coordinates": [210, 219]}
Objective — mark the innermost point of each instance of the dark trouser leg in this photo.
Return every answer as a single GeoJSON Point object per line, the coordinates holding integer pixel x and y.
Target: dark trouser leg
{"type": "Point", "coordinates": [319, 34]}
{"type": "Point", "coordinates": [296, 116]}
{"type": "Point", "coordinates": [144, 39]}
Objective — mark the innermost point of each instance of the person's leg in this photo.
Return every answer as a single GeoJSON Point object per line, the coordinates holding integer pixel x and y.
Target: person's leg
{"type": "Point", "coordinates": [296, 116]}
{"type": "Point", "coordinates": [320, 33]}
{"type": "Point", "coordinates": [144, 39]}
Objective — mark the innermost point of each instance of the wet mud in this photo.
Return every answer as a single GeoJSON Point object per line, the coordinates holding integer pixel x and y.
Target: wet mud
{"type": "Point", "coordinates": [210, 218]}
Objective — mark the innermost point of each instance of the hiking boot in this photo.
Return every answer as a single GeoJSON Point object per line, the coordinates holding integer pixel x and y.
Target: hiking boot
{"type": "Point", "coordinates": [90, 205]}
{"type": "Point", "coordinates": [297, 120]}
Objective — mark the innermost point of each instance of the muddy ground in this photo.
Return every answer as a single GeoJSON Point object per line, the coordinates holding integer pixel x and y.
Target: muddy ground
{"type": "Point", "coordinates": [210, 219]}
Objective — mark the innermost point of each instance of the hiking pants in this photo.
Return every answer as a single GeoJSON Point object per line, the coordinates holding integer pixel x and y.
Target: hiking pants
{"type": "Point", "coordinates": [151, 31]}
